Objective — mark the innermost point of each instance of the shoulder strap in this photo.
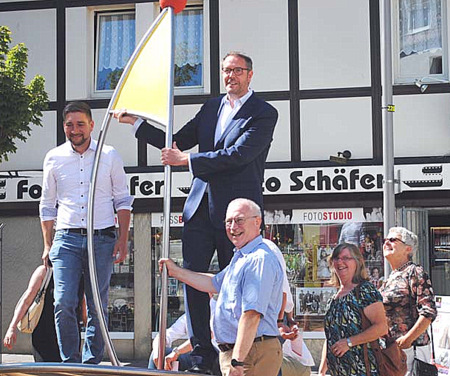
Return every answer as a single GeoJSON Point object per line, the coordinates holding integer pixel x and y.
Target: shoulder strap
{"type": "Point", "coordinates": [44, 285]}
{"type": "Point", "coordinates": [365, 323]}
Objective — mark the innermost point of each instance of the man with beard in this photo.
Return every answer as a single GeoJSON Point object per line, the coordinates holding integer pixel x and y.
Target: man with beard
{"type": "Point", "coordinates": [67, 170]}
{"type": "Point", "coordinates": [233, 134]}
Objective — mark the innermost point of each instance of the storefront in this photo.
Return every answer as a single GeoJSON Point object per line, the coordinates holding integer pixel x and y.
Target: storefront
{"type": "Point", "coordinates": [307, 212]}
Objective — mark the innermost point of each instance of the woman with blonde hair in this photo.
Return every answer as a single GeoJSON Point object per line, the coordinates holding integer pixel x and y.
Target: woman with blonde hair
{"type": "Point", "coordinates": [343, 352]}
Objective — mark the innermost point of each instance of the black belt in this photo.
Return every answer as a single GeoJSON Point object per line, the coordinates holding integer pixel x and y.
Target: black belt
{"type": "Point", "coordinates": [109, 231]}
{"type": "Point", "coordinates": [229, 346]}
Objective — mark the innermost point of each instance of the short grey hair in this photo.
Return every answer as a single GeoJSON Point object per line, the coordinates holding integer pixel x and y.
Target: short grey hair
{"type": "Point", "coordinates": [251, 205]}
{"type": "Point", "coordinates": [408, 237]}
{"type": "Point", "coordinates": [247, 59]}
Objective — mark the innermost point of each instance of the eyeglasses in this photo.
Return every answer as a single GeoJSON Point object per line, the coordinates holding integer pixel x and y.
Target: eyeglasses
{"type": "Point", "coordinates": [393, 240]}
{"type": "Point", "coordinates": [239, 221]}
{"type": "Point", "coordinates": [237, 71]}
{"type": "Point", "coordinates": [343, 259]}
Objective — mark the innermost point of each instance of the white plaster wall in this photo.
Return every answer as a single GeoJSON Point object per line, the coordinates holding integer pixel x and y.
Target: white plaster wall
{"type": "Point", "coordinates": [146, 13]}
{"type": "Point", "coordinates": [332, 125]}
{"type": "Point", "coordinates": [31, 153]}
{"type": "Point", "coordinates": [422, 125]}
{"type": "Point", "coordinates": [22, 250]}
{"type": "Point", "coordinates": [334, 43]}
{"type": "Point", "coordinates": [258, 28]}
{"type": "Point", "coordinates": [79, 58]}
{"type": "Point", "coordinates": [280, 150]}
{"type": "Point", "coordinates": [37, 29]}
{"type": "Point", "coordinates": [182, 114]}
{"type": "Point", "coordinates": [119, 136]}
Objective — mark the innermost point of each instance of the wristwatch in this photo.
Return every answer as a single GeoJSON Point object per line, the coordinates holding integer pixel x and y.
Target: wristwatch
{"type": "Point", "coordinates": [176, 350]}
{"type": "Point", "coordinates": [237, 363]}
{"type": "Point", "coordinates": [349, 343]}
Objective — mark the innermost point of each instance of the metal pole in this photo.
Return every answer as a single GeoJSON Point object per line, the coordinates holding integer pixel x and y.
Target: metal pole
{"type": "Point", "coordinates": [1, 286]}
{"type": "Point", "coordinates": [90, 239]}
{"type": "Point", "coordinates": [388, 130]}
{"type": "Point", "coordinates": [90, 225]}
{"type": "Point", "coordinates": [167, 202]}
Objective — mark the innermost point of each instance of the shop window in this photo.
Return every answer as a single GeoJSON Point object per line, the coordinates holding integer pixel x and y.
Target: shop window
{"type": "Point", "coordinates": [175, 294]}
{"type": "Point", "coordinates": [121, 293]}
{"type": "Point", "coordinates": [116, 40]}
{"type": "Point", "coordinates": [307, 238]}
{"type": "Point", "coordinates": [421, 43]}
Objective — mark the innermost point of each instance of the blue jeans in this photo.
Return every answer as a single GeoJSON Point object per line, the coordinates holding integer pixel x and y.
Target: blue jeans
{"type": "Point", "coordinates": [185, 361]}
{"type": "Point", "coordinates": [70, 263]}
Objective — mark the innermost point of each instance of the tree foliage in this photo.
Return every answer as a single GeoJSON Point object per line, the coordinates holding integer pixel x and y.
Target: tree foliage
{"type": "Point", "coordinates": [20, 105]}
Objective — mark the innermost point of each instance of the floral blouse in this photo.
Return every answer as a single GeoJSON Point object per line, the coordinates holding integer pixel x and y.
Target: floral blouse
{"type": "Point", "coordinates": [397, 302]}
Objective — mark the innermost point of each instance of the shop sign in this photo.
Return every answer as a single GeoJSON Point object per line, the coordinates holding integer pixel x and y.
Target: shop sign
{"type": "Point", "coordinates": [176, 219]}
{"type": "Point", "coordinates": [337, 215]}
{"type": "Point", "coordinates": [27, 185]}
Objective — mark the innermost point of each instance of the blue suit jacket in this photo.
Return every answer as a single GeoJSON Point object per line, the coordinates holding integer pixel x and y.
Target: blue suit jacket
{"type": "Point", "coordinates": [232, 168]}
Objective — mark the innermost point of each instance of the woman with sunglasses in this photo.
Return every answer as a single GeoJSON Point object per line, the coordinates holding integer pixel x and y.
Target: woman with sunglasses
{"type": "Point", "coordinates": [408, 297]}
{"type": "Point", "coordinates": [343, 353]}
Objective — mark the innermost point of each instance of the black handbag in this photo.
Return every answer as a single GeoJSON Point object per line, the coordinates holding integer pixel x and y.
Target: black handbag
{"type": "Point", "coordinates": [421, 368]}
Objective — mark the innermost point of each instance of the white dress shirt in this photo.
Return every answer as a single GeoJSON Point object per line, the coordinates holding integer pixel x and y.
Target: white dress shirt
{"type": "Point", "coordinates": [226, 113]}
{"type": "Point", "coordinates": [65, 187]}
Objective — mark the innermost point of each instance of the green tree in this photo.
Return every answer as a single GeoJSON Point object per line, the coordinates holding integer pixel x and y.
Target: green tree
{"type": "Point", "coordinates": [20, 105]}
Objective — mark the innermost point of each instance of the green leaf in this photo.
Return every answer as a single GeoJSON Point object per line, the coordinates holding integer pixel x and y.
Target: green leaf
{"type": "Point", "coordinates": [20, 105]}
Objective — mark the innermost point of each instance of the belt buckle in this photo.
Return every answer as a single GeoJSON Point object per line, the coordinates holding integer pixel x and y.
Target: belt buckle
{"type": "Point", "coordinates": [83, 231]}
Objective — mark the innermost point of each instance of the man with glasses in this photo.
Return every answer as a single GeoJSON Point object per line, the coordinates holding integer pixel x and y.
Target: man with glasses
{"type": "Point", "coordinates": [250, 296]}
{"type": "Point", "coordinates": [233, 133]}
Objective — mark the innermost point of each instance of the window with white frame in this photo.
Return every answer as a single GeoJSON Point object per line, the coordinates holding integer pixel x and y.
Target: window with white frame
{"type": "Point", "coordinates": [421, 43]}
{"type": "Point", "coordinates": [189, 47]}
{"type": "Point", "coordinates": [115, 42]}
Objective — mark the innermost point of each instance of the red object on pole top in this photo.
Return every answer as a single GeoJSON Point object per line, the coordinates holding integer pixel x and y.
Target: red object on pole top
{"type": "Point", "coordinates": [177, 5]}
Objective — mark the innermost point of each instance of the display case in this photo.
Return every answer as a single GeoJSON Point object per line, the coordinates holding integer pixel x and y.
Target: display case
{"type": "Point", "coordinates": [440, 259]}
{"type": "Point", "coordinates": [440, 240]}
{"type": "Point", "coordinates": [121, 293]}
{"type": "Point", "coordinates": [175, 306]}
{"type": "Point", "coordinates": [307, 238]}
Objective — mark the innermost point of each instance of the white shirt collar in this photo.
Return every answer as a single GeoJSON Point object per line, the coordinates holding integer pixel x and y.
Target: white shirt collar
{"type": "Point", "coordinates": [238, 102]}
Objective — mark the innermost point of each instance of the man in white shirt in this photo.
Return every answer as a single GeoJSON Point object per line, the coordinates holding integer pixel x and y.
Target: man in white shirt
{"type": "Point", "coordinates": [67, 170]}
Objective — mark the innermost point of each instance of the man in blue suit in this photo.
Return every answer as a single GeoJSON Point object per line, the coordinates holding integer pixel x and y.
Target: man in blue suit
{"type": "Point", "coordinates": [233, 133]}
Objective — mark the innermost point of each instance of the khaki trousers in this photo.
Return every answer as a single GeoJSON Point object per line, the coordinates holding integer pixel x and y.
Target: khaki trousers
{"type": "Point", "coordinates": [264, 358]}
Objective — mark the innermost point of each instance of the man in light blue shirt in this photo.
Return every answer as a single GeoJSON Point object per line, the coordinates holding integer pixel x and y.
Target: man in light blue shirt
{"type": "Point", "coordinates": [250, 296]}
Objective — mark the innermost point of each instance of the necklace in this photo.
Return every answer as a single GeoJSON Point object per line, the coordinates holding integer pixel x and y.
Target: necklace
{"type": "Point", "coordinates": [400, 268]}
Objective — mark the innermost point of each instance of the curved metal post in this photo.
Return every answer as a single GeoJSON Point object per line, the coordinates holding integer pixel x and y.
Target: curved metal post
{"type": "Point", "coordinates": [167, 202]}
{"type": "Point", "coordinates": [90, 238]}
{"type": "Point", "coordinates": [90, 225]}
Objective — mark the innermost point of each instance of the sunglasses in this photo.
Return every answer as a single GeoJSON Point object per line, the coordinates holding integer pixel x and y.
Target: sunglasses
{"type": "Point", "coordinates": [393, 240]}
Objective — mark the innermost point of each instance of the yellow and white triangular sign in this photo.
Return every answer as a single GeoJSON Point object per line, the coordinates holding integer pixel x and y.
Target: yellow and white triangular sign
{"type": "Point", "coordinates": [143, 89]}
